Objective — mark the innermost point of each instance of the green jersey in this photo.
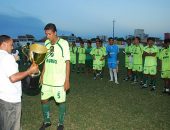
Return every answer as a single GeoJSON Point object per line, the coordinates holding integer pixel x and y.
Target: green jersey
{"type": "Point", "coordinates": [104, 50]}
{"type": "Point", "coordinates": [55, 63]}
{"type": "Point", "coordinates": [88, 56]}
{"type": "Point", "coordinates": [151, 60]}
{"type": "Point", "coordinates": [73, 51]}
{"type": "Point", "coordinates": [104, 54]}
{"type": "Point", "coordinates": [137, 52]}
{"type": "Point", "coordinates": [82, 53]}
{"type": "Point", "coordinates": [98, 54]}
{"type": "Point", "coordinates": [164, 56]}
{"type": "Point", "coordinates": [128, 51]}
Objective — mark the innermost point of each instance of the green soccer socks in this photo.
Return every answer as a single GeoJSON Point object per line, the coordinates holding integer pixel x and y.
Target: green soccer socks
{"type": "Point", "coordinates": [46, 112]}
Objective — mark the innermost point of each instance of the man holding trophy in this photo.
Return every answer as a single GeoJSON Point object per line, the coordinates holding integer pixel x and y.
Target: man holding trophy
{"type": "Point", "coordinates": [55, 75]}
{"type": "Point", "coordinates": [10, 86]}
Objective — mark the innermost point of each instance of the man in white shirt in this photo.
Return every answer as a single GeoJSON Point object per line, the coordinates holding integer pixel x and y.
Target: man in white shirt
{"type": "Point", "coordinates": [10, 86]}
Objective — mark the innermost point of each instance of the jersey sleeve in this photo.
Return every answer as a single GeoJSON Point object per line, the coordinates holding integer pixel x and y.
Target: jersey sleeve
{"type": "Point", "coordinates": [46, 42]}
{"type": "Point", "coordinates": [66, 51]}
{"type": "Point", "coordinates": [92, 52]}
{"type": "Point", "coordinates": [142, 48]}
{"type": "Point", "coordinates": [160, 54]}
{"type": "Point", "coordinates": [104, 51]}
{"type": "Point", "coordinates": [157, 51]}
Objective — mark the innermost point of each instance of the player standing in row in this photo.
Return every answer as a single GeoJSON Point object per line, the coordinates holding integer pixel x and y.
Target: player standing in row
{"type": "Point", "coordinates": [73, 56]}
{"type": "Point", "coordinates": [98, 57]}
{"type": "Point", "coordinates": [150, 53]}
{"type": "Point", "coordinates": [81, 57]}
{"type": "Point", "coordinates": [137, 61]}
{"type": "Point", "coordinates": [128, 59]}
{"type": "Point", "coordinates": [112, 56]}
{"type": "Point", "coordinates": [164, 56]}
{"type": "Point", "coordinates": [89, 59]}
{"type": "Point", "coordinates": [103, 61]}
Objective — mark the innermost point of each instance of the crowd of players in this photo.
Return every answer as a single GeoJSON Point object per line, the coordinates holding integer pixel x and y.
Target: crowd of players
{"type": "Point", "coordinates": [93, 58]}
{"type": "Point", "coordinates": [141, 61]}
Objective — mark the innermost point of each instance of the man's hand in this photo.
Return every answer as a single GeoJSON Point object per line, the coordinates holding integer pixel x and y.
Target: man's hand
{"type": "Point", "coordinates": [16, 57]}
{"type": "Point", "coordinates": [33, 69]}
{"type": "Point", "coordinates": [66, 85]}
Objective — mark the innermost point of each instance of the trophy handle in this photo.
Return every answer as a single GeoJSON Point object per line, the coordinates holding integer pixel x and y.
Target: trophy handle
{"type": "Point", "coordinates": [49, 52]}
{"type": "Point", "coordinates": [23, 51]}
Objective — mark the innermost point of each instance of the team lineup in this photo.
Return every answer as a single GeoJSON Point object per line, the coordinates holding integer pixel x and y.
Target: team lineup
{"type": "Point", "coordinates": [142, 61]}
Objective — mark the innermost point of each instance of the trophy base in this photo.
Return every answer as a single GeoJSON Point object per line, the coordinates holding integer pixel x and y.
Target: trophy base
{"type": "Point", "coordinates": [36, 74]}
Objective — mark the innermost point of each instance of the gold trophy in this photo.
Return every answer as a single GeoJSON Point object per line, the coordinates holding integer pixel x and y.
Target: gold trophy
{"type": "Point", "coordinates": [36, 53]}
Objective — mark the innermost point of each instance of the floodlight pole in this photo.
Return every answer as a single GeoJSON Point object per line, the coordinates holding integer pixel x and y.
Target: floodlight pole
{"type": "Point", "coordinates": [113, 28]}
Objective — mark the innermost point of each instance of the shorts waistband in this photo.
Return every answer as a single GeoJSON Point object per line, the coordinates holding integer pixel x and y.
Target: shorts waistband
{"type": "Point", "coordinates": [52, 85]}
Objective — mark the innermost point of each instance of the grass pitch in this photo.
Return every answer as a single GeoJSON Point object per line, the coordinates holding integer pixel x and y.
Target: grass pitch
{"type": "Point", "coordinates": [103, 105]}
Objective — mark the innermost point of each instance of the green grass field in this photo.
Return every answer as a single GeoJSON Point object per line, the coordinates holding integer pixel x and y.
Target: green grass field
{"type": "Point", "coordinates": [102, 105]}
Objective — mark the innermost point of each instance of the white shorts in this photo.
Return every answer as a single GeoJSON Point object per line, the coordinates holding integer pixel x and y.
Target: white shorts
{"type": "Point", "coordinates": [58, 93]}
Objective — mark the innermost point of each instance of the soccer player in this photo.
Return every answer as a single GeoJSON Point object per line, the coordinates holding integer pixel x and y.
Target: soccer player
{"type": "Point", "coordinates": [164, 56]}
{"type": "Point", "coordinates": [104, 52]}
{"type": "Point", "coordinates": [150, 53]}
{"type": "Point", "coordinates": [112, 54]}
{"type": "Point", "coordinates": [55, 76]}
{"type": "Point", "coordinates": [98, 57]}
{"type": "Point", "coordinates": [73, 53]}
{"type": "Point", "coordinates": [82, 57]}
{"type": "Point", "coordinates": [128, 59]}
{"type": "Point", "coordinates": [89, 59]}
{"type": "Point", "coordinates": [137, 61]}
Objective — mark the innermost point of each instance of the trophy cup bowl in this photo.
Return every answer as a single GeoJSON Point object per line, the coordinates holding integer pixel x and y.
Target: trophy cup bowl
{"type": "Point", "coordinates": [36, 54]}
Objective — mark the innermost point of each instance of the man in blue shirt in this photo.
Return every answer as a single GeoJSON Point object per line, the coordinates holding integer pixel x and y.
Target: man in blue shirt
{"type": "Point", "coordinates": [112, 54]}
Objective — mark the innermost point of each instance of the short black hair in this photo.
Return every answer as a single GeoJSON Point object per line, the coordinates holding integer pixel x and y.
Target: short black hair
{"type": "Point", "coordinates": [137, 38]}
{"type": "Point", "coordinates": [89, 41]}
{"type": "Point", "coordinates": [98, 40]}
{"type": "Point", "coordinates": [110, 38]}
{"type": "Point", "coordinates": [129, 39]}
{"type": "Point", "coordinates": [81, 42]}
{"type": "Point", "coordinates": [4, 38]}
{"type": "Point", "coordinates": [50, 26]}
{"type": "Point", "coordinates": [150, 38]}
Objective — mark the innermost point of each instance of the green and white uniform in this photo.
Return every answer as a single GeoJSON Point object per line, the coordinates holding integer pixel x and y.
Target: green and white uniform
{"type": "Point", "coordinates": [55, 71]}
{"type": "Point", "coordinates": [164, 56]}
{"type": "Point", "coordinates": [128, 56]}
{"type": "Point", "coordinates": [137, 62]}
{"type": "Point", "coordinates": [82, 55]}
{"type": "Point", "coordinates": [98, 54]}
{"type": "Point", "coordinates": [73, 51]}
{"type": "Point", "coordinates": [150, 62]}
